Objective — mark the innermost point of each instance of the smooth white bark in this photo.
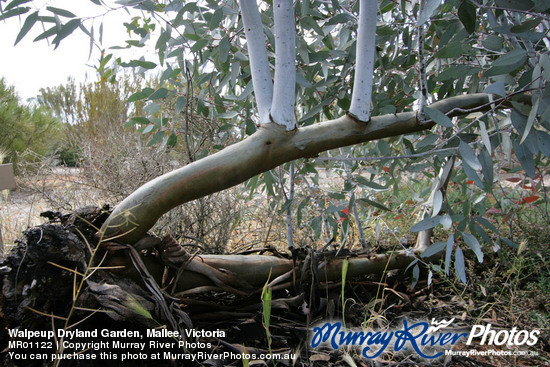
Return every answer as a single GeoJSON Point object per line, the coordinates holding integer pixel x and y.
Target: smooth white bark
{"type": "Point", "coordinates": [364, 66]}
{"type": "Point", "coordinates": [282, 109]}
{"type": "Point", "coordinates": [259, 64]}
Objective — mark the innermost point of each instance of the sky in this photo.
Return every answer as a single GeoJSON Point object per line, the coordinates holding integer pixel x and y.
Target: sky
{"type": "Point", "coordinates": [29, 65]}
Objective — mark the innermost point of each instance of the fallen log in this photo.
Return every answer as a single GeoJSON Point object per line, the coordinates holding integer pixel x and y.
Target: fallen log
{"type": "Point", "coordinates": [50, 257]}
{"type": "Point", "coordinates": [256, 270]}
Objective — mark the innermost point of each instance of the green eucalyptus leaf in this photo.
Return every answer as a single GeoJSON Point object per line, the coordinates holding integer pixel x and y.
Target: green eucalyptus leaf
{"type": "Point", "coordinates": [486, 166]}
{"type": "Point", "coordinates": [216, 19]}
{"type": "Point", "coordinates": [526, 26]}
{"type": "Point", "coordinates": [199, 45]}
{"type": "Point", "coordinates": [27, 25]}
{"type": "Point", "coordinates": [493, 43]}
{"type": "Point", "coordinates": [310, 23]}
{"type": "Point", "coordinates": [473, 243]}
{"type": "Point", "coordinates": [457, 71]}
{"type": "Point", "coordinates": [430, 6]}
{"type": "Point", "coordinates": [61, 12]}
{"type": "Point", "coordinates": [250, 127]}
{"type": "Point", "coordinates": [496, 88]}
{"type": "Point", "coordinates": [157, 138]}
{"type": "Point", "coordinates": [142, 94]}
{"type": "Point", "coordinates": [375, 204]}
{"type": "Point", "coordinates": [172, 140]}
{"type": "Point", "coordinates": [140, 120]}
{"type": "Point", "coordinates": [15, 3]}
{"type": "Point", "coordinates": [468, 155]}
{"type": "Point", "coordinates": [472, 175]}
{"type": "Point", "coordinates": [543, 139]}
{"type": "Point", "coordinates": [428, 141]}
{"type": "Point", "coordinates": [148, 129]}
{"type": "Point", "coordinates": [145, 64]}
{"type": "Point", "coordinates": [460, 268]}
{"type": "Point", "coordinates": [224, 48]}
{"type": "Point", "coordinates": [104, 61]}
{"type": "Point", "coordinates": [446, 221]}
{"type": "Point", "coordinates": [454, 49]}
{"type": "Point", "coordinates": [151, 108]}
{"type": "Point", "coordinates": [415, 275]}
{"type": "Point", "coordinates": [181, 103]}
{"type": "Point", "coordinates": [158, 94]}
{"type": "Point", "coordinates": [47, 33]}
{"type": "Point", "coordinates": [449, 252]}
{"type": "Point", "coordinates": [438, 117]}
{"type": "Point", "coordinates": [434, 249]}
{"type": "Point", "coordinates": [373, 185]}
{"type": "Point", "coordinates": [515, 4]}
{"type": "Point", "coordinates": [467, 15]}
{"type": "Point", "coordinates": [227, 114]}
{"type": "Point", "coordinates": [426, 223]}
{"type": "Point", "coordinates": [510, 243]}
{"type": "Point", "coordinates": [508, 63]}
{"type": "Point", "coordinates": [340, 18]}
{"type": "Point", "coordinates": [437, 203]}
{"type": "Point", "coordinates": [530, 120]}
{"type": "Point", "coordinates": [525, 158]}
{"type": "Point", "coordinates": [66, 30]}
{"type": "Point", "coordinates": [14, 12]}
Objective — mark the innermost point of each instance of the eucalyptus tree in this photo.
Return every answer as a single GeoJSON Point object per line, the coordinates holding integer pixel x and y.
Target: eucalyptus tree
{"type": "Point", "coordinates": [294, 80]}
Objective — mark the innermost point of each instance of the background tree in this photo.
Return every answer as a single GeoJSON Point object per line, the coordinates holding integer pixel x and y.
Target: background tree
{"type": "Point", "coordinates": [115, 159]}
{"type": "Point", "coordinates": [25, 127]}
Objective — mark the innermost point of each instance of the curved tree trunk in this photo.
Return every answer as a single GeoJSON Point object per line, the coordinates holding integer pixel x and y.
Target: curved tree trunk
{"type": "Point", "coordinates": [268, 148]}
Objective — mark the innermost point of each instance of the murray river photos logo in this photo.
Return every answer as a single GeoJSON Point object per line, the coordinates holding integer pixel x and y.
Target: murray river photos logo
{"type": "Point", "coordinates": [427, 340]}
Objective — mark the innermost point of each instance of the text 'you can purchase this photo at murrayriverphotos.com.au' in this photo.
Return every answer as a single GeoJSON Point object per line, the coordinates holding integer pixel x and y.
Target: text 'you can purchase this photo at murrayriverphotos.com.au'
{"type": "Point", "coordinates": [28, 346]}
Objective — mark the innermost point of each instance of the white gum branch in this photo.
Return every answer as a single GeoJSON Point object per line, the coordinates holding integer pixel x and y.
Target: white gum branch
{"type": "Point", "coordinates": [364, 67]}
{"type": "Point", "coordinates": [282, 109]}
{"type": "Point", "coordinates": [266, 149]}
{"type": "Point", "coordinates": [259, 64]}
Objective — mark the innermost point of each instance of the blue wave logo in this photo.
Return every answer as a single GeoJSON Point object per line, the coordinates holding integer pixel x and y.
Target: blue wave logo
{"type": "Point", "coordinates": [420, 336]}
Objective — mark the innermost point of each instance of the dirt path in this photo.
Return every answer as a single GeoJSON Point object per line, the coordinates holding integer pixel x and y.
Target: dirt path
{"type": "Point", "coordinates": [57, 190]}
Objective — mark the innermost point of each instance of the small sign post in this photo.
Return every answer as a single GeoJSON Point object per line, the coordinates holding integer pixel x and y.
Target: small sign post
{"type": "Point", "coordinates": [7, 182]}
{"type": "Point", "coordinates": [7, 179]}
